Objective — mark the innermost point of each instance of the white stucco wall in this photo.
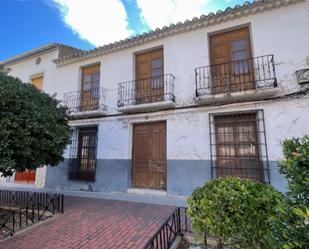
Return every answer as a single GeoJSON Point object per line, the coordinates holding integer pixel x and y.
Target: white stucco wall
{"type": "Point", "coordinates": [188, 129]}
{"type": "Point", "coordinates": [272, 32]}
{"type": "Point", "coordinates": [26, 69]}
{"type": "Point", "coordinates": [283, 32]}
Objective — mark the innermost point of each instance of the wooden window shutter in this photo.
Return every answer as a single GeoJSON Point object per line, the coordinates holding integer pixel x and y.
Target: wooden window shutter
{"type": "Point", "coordinates": [37, 82]}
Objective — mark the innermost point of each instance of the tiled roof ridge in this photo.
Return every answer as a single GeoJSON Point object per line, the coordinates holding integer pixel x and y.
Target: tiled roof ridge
{"type": "Point", "coordinates": [37, 50]}
{"type": "Point", "coordinates": [229, 13]}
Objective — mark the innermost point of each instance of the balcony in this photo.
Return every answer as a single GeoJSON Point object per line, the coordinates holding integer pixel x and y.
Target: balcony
{"type": "Point", "coordinates": [154, 93]}
{"type": "Point", "coordinates": [241, 80]}
{"type": "Point", "coordinates": [88, 103]}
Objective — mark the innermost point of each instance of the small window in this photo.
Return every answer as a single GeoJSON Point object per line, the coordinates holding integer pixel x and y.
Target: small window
{"type": "Point", "coordinates": [37, 82]}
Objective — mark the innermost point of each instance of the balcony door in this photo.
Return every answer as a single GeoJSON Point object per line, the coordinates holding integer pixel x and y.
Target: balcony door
{"type": "Point", "coordinates": [231, 63]}
{"type": "Point", "coordinates": [90, 92]}
{"type": "Point", "coordinates": [149, 86]}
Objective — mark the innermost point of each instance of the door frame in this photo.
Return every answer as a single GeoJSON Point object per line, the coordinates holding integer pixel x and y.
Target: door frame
{"type": "Point", "coordinates": [132, 145]}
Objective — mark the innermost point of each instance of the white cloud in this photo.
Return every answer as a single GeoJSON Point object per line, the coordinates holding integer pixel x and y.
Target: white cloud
{"type": "Point", "coordinates": [98, 21]}
{"type": "Point", "coordinates": [157, 13]}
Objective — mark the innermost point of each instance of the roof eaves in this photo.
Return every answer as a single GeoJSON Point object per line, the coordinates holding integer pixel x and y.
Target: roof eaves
{"type": "Point", "coordinates": [196, 23]}
{"type": "Point", "coordinates": [35, 52]}
{"type": "Point", "coordinates": [30, 53]}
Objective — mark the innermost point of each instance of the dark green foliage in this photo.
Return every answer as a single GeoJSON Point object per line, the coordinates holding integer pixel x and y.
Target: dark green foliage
{"type": "Point", "coordinates": [235, 210]}
{"type": "Point", "coordinates": [34, 128]}
{"type": "Point", "coordinates": [296, 168]}
{"type": "Point", "coordinates": [291, 225]}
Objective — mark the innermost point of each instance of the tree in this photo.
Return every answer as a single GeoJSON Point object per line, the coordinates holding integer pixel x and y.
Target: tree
{"type": "Point", "coordinates": [34, 128]}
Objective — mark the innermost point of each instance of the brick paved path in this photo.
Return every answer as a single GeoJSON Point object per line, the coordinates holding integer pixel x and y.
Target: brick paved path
{"type": "Point", "coordinates": [94, 223]}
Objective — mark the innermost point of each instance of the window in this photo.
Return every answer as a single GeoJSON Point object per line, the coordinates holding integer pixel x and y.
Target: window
{"type": "Point", "coordinates": [157, 73]}
{"type": "Point", "coordinates": [231, 63]}
{"type": "Point", "coordinates": [238, 145]}
{"type": "Point", "coordinates": [37, 82]}
{"type": "Point", "coordinates": [83, 154]}
{"type": "Point", "coordinates": [90, 92]}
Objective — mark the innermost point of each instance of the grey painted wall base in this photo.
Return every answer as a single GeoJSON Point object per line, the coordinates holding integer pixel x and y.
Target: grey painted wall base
{"type": "Point", "coordinates": [111, 175]}
{"type": "Point", "coordinates": [277, 180]}
{"type": "Point", "coordinates": [183, 176]}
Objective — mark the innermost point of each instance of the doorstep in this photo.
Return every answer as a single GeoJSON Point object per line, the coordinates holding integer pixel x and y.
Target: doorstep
{"type": "Point", "coordinates": [163, 199]}
{"type": "Point", "coordinates": [171, 200]}
{"type": "Point", "coordinates": [145, 191]}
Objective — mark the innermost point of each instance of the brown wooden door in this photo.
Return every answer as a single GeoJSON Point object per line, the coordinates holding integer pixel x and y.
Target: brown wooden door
{"type": "Point", "coordinates": [231, 63]}
{"type": "Point", "coordinates": [237, 147]}
{"type": "Point", "coordinates": [149, 85]}
{"type": "Point", "coordinates": [90, 93]}
{"type": "Point", "coordinates": [149, 156]}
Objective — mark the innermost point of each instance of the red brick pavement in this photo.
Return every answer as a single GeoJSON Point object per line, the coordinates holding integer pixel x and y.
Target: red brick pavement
{"type": "Point", "coordinates": [94, 224]}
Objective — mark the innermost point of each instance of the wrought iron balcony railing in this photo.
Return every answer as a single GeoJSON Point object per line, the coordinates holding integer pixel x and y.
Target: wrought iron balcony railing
{"type": "Point", "coordinates": [236, 76]}
{"type": "Point", "coordinates": [148, 90]}
{"type": "Point", "coordinates": [83, 101]}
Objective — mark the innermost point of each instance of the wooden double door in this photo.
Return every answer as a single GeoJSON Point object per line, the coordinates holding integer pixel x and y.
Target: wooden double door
{"type": "Point", "coordinates": [149, 156]}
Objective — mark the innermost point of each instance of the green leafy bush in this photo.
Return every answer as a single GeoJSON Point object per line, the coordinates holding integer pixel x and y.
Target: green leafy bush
{"type": "Point", "coordinates": [296, 168]}
{"type": "Point", "coordinates": [34, 128]}
{"type": "Point", "coordinates": [291, 225]}
{"type": "Point", "coordinates": [235, 210]}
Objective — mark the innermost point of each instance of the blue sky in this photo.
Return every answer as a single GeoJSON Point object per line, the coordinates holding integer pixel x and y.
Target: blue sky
{"type": "Point", "coordinates": [26, 24]}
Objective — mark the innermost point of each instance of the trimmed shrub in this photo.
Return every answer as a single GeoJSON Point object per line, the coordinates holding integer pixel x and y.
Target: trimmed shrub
{"type": "Point", "coordinates": [235, 210]}
{"type": "Point", "coordinates": [291, 225]}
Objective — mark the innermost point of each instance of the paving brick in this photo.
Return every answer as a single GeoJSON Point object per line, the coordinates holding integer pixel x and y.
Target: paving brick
{"type": "Point", "coordinates": [94, 224]}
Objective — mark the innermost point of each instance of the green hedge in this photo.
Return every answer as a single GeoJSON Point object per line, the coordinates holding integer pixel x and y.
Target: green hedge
{"type": "Point", "coordinates": [236, 210]}
{"type": "Point", "coordinates": [291, 224]}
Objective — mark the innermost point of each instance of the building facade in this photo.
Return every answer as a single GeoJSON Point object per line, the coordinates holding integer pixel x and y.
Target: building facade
{"type": "Point", "coordinates": [170, 109]}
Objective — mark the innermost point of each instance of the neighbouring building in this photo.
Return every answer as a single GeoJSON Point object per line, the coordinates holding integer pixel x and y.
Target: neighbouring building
{"type": "Point", "coordinates": [172, 108]}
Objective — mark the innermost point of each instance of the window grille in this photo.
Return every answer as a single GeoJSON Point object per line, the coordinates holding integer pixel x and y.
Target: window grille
{"type": "Point", "coordinates": [238, 145]}
{"type": "Point", "coordinates": [82, 164]}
